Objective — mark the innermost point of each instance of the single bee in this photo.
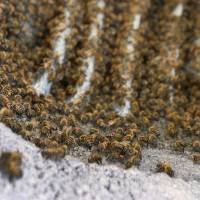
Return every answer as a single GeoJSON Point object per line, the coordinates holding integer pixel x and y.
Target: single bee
{"type": "Point", "coordinates": [115, 145]}
{"type": "Point", "coordinates": [115, 156]}
{"type": "Point", "coordinates": [196, 145]}
{"type": "Point", "coordinates": [133, 160]}
{"type": "Point", "coordinates": [153, 130]}
{"type": "Point", "coordinates": [72, 120]}
{"type": "Point", "coordinates": [63, 122]}
{"type": "Point", "coordinates": [86, 117]}
{"type": "Point", "coordinates": [137, 146]}
{"type": "Point", "coordinates": [4, 101]}
{"type": "Point", "coordinates": [143, 139]}
{"type": "Point", "coordinates": [179, 145]}
{"type": "Point", "coordinates": [103, 146]}
{"type": "Point", "coordinates": [37, 109]}
{"type": "Point", "coordinates": [166, 168]}
{"type": "Point", "coordinates": [95, 158]}
{"type": "Point", "coordinates": [94, 131]}
{"type": "Point", "coordinates": [42, 143]}
{"type": "Point", "coordinates": [43, 115]}
{"type": "Point", "coordinates": [10, 164]}
{"type": "Point", "coordinates": [196, 158]}
{"type": "Point", "coordinates": [77, 131]}
{"type": "Point", "coordinates": [46, 130]}
{"type": "Point", "coordinates": [31, 125]}
{"type": "Point", "coordinates": [5, 112]}
{"type": "Point", "coordinates": [128, 151]}
{"type": "Point", "coordinates": [25, 134]}
{"type": "Point", "coordinates": [120, 131]}
{"type": "Point", "coordinates": [171, 129]}
{"type": "Point", "coordinates": [100, 123]}
{"type": "Point", "coordinates": [55, 152]}
{"type": "Point", "coordinates": [88, 140]}
{"type": "Point", "coordinates": [67, 139]}
{"type": "Point", "coordinates": [152, 140]}
{"type": "Point", "coordinates": [114, 136]}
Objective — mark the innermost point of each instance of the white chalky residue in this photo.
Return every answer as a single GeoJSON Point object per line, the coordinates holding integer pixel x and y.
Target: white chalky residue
{"type": "Point", "coordinates": [124, 110]}
{"type": "Point", "coordinates": [43, 85]}
{"type": "Point", "coordinates": [197, 42]}
{"type": "Point", "coordinates": [136, 21]}
{"type": "Point", "coordinates": [173, 74]}
{"type": "Point", "coordinates": [178, 11]}
{"type": "Point", "coordinates": [90, 61]}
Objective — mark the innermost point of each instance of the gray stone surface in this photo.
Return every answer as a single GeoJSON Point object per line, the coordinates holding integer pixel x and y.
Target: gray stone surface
{"type": "Point", "coordinates": [72, 178]}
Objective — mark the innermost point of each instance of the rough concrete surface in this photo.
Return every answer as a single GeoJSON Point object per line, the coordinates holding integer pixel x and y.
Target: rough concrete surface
{"type": "Point", "coordinates": [72, 178]}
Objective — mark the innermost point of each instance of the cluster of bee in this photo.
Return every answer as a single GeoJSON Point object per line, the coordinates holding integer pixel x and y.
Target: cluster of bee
{"type": "Point", "coordinates": [164, 105]}
{"type": "Point", "coordinates": [10, 164]}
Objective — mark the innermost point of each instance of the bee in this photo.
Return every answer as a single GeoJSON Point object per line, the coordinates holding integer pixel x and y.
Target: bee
{"type": "Point", "coordinates": [31, 125]}
{"type": "Point", "coordinates": [152, 140]}
{"type": "Point", "coordinates": [72, 120]}
{"type": "Point", "coordinates": [4, 101]}
{"type": "Point", "coordinates": [179, 145]}
{"type": "Point", "coordinates": [55, 152]}
{"type": "Point", "coordinates": [174, 116]}
{"type": "Point", "coordinates": [5, 112]}
{"type": "Point", "coordinates": [95, 158]}
{"type": "Point", "coordinates": [86, 117]}
{"type": "Point", "coordinates": [100, 123]}
{"type": "Point", "coordinates": [196, 145]}
{"type": "Point", "coordinates": [46, 130]}
{"type": "Point", "coordinates": [30, 90]}
{"type": "Point", "coordinates": [171, 129]}
{"type": "Point", "coordinates": [145, 121]}
{"type": "Point", "coordinates": [43, 115]}
{"type": "Point", "coordinates": [120, 131]}
{"type": "Point", "coordinates": [133, 160]}
{"type": "Point", "coordinates": [115, 156]}
{"type": "Point", "coordinates": [129, 137]}
{"type": "Point", "coordinates": [114, 122]}
{"type": "Point", "coordinates": [67, 139]}
{"type": "Point", "coordinates": [18, 108]}
{"type": "Point", "coordinates": [115, 145]}
{"type": "Point", "coordinates": [143, 139]}
{"type": "Point", "coordinates": [63, 122]}
{"type": "Point", "coordinates": [25, 134]}
{"type": "Point", "coordinates": [187, 128]}
{"type": "Point", "coordinates": [37, 109]}
{"type": "Point", "coordinates": [114, 135]}
{"type": "Point", "coordinates": [153, 130]}
{"type": "Point", "coordinates": [129, 150]}
{"type": "Point", "coordinates": [77, 131]}
{"type": "Point", "coordinates": [166, 168]}
{"type": "Point", "coordinates": [104, 145]}
{"type": "Point", "coordinates": [48, 100]}
{"type": "Point", "coordinates": [10, 164]}
{"type": "Point", "coordinates": [88, 140]}
{"type": "Point", "coordinates": [196, 158]}
{"type": "Point", "coordinates": [94, 131]}
{"type": "Point", "coordinates": [26, 105]}
{"type": "Point", "coordinates": [137, 146]}
{"type": "Point", "coordinates": [135, 107]}
{"type": "Point", "coordinates": [42, 143]}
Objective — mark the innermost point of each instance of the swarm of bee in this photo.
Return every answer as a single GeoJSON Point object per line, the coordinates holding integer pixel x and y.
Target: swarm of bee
{"type": "Point", "coordinates": [10, 164]}
{"type": "Point", "coordinates": [119, 85]}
